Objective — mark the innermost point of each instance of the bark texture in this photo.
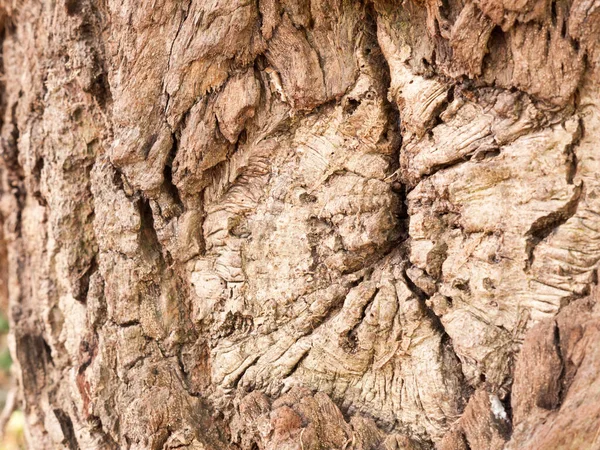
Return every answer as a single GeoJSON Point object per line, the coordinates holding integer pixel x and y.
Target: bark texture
{"type": "Point", "coordinates": [303, 224]}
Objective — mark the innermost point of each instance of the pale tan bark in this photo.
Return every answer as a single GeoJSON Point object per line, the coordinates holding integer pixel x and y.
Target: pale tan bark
{"type": "Point", "coordinates": [302, 224]}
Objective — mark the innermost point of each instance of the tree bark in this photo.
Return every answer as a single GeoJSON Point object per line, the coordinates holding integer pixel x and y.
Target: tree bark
{"type": "Point", "coordinates": [302, 224]}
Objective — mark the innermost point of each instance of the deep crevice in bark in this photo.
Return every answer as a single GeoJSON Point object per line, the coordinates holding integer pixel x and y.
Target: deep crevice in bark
{"type": "Point", "coordinates": [544, 226]}
{"type": "Point", "coordinates": [67, 428]}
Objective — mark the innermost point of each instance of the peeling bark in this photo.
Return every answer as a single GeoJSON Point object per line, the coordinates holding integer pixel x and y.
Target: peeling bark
{"type": "Point", "coordinates": [315, 224]}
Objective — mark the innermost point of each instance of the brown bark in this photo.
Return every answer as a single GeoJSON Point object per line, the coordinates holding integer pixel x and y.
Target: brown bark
{"type": "Point", "coordinates": [302, 224]}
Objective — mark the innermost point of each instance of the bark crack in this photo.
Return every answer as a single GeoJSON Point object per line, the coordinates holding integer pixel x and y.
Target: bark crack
{"type": "Point", "coordinates": [546, 225]}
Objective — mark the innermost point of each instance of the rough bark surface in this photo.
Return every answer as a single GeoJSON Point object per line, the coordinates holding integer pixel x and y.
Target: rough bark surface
{"type": "Point", "coordinates": [303, 224]}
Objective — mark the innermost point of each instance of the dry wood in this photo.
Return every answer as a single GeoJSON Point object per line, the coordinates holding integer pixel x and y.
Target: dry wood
{"type": "Point", "coordinates": [303, 224]}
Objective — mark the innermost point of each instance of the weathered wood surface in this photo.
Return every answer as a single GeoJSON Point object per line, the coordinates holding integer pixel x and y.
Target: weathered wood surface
{"type": "Point", "coordinates": [303, 224]}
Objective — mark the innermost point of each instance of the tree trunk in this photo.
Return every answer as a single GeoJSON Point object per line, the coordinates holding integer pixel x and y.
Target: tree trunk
{"type": "Point", "coordinates": [303, 224]}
